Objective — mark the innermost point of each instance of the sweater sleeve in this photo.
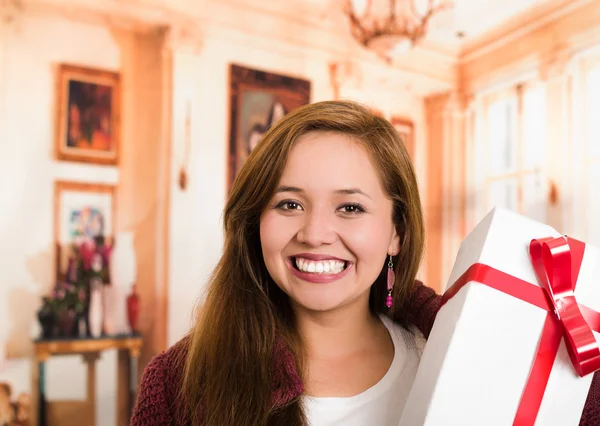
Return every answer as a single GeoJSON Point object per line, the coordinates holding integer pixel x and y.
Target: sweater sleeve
{"type": "Point", "coordinates": [153, 404]}
{"type": "Point", "coordinates": [591, 410]}
{"type": "Point", "coordinates": [157, 403]}
{"type": "Point", "coordinates": [422, 307]}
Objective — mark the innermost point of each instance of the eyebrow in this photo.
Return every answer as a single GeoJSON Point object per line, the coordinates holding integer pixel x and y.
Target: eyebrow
{"type": "Point", "coordinates": [351, 191]}
{"type": "Point", "coordinates": [285, 188]}
{"type": "Point", "coordinates": [346, 191]}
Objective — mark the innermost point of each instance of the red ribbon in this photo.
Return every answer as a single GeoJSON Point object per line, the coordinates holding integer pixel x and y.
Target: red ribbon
{"type": "Point", "coordinates": [557, 262]}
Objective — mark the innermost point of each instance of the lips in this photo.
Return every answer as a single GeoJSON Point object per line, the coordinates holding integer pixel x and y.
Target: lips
{"type": "Point", "coordinates": [317, 256]}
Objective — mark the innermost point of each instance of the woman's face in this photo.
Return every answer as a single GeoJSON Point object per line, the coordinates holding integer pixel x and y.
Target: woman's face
{"type": "Point", "coordinates": [328, 229]}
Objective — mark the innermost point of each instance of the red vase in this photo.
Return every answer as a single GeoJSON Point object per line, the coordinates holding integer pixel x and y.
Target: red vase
{"type": "Point", "coordinates": [133, 309]}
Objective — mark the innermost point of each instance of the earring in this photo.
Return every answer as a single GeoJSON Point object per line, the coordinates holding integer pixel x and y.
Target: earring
{"type": "Point", "coordinates": [391, 279]}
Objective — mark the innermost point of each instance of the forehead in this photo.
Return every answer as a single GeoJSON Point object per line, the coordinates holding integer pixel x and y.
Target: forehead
{"type": "Point", "coordinates": [330, 161]}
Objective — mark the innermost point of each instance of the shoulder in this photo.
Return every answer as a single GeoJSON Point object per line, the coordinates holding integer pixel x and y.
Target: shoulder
{"type": "Point", "coordinates": [421, 307]}
{"type": "Point", "coordinates": [169, 364]}
{"type": "Point", "coordinates": [410, 336]}
{"type": "Point", "coordinates": [161, 380]}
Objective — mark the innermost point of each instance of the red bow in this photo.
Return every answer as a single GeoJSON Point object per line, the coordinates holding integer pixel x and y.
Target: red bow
{"type": "Point", "coordinates": [551, 259]}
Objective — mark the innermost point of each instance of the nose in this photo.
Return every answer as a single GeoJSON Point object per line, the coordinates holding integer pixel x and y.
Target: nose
{"type": "Point", "coordinates": [317, 229]}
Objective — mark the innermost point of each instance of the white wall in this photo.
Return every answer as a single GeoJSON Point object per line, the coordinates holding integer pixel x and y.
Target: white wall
{"type": "Point", "coordinates": [30, 50]}
{"type": "Point", "coordinates": [201, 78]}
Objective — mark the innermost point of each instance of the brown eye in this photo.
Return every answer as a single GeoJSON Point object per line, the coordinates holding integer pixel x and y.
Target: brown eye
{"type": "Point", "coordinates": [352, 208]}
{"type": "Point", "coordinates": [289, 205]}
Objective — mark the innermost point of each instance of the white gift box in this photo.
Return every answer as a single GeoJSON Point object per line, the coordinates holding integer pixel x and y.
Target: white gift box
{"type": "Point", "coordinates": [481, 349]}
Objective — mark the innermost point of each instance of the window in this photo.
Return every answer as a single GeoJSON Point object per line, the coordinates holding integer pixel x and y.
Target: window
{"type": "Point", "coordinates": [591, 155]}
{"type": "Point", "coordinates": [514, 141]}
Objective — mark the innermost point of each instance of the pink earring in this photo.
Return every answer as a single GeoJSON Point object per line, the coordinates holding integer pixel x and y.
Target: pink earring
{"type": "Point", "coordinates": [391, 278]}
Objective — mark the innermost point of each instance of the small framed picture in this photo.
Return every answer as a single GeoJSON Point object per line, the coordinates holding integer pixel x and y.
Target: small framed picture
{"type": "Point", "coordinates": [88, 121]}
{"type": "Point", "coordinates": [81, 210]}
{"type": "Point", "coordinates": [406, 130]}
{"type": "Point", "coordinates": [258, 99]}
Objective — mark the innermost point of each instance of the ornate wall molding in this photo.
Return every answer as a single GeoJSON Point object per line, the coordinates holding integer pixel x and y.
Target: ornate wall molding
{"type": "Point", "coordinates": [139, 16]}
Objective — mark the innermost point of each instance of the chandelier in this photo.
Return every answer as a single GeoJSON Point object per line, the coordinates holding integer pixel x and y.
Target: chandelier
{"type": "Point", "coordinates": [391, 27]}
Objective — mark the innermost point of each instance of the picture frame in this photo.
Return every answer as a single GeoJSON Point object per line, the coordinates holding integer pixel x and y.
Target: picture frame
{"type": "Point", "coordinates": [257, 100]}
{"type": "Point", "coordinates": [88, 115]}
{"type": "Point", "coordinates": [86, 209]}
{"type": "Point", "coordinates": [406, 130]}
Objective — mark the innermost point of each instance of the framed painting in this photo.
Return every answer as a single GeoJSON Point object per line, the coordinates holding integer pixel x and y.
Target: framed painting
{"type": "Point", "coordinates": [258, 99]}
{"type": "Point", "coordinates": [88, 115]}
{"type": "Point", "coordinates": [81, 210]}
{"type": "Point", "coordinates": [406, 130]}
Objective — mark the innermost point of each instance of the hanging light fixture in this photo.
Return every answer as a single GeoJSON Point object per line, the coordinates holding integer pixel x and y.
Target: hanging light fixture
{"type": "Point", "coordinates": [391, 27]}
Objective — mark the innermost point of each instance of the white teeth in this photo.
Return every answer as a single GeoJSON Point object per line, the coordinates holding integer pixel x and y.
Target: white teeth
{"type": "Point", "coordinates": [320, 267]}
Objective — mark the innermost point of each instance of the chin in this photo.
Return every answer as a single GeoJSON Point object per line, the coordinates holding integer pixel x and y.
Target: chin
{"type": "Point", "coordinates": [321, 304]}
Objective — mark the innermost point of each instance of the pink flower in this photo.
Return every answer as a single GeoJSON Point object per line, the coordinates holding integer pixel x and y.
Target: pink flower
{"type": "Point", "coordinates": [78, 240]}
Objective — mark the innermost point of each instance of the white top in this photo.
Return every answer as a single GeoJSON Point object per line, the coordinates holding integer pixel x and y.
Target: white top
{"type": "Point", "coordinates": [380, 405]}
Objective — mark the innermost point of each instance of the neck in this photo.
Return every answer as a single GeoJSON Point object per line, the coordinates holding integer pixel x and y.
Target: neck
{"type": "Point", "coordinates": [338, 332]}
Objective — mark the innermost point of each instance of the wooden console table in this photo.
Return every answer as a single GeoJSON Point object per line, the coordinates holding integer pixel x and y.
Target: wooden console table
{"type": "Point", "coordinates": [128, 348]}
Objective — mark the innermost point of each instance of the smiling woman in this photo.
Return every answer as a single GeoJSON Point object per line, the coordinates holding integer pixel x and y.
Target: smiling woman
{"type": "Point", "coordinates": [310, 313]}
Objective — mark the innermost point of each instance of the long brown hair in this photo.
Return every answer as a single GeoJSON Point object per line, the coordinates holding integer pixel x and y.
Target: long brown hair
{"type": "Point", "coordinates": [228, 371]}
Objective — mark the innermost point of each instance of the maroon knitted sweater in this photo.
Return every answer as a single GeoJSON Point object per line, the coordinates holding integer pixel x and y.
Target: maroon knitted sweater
{"type": "Point", "coordinates": [156, 403]}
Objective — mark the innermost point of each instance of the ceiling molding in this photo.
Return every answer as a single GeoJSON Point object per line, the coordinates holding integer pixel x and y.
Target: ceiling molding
{"type": "Point", "coordinates": [138, 16]}
{"type": "Point", "coordinates": [319, 35]}
{"type": "Point", "coordinates": [535, 54]}
{"type": "Point", "coordinates": [517, 27]}
{"type": "Point", "coordinates": [361, 69]}
{"type": "Point", "coordinates": [275, 31]}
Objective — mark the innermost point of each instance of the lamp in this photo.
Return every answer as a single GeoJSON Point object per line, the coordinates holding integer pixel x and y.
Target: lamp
{"type": "Point", "coordinates": [390, 27]}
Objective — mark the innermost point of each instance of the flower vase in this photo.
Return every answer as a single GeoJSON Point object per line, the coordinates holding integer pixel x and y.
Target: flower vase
{"type": "Point", "coordinates": [123, 271]}
{"type": "Point", "coordinates": [133, 310]}
{"type": "Point", "coordinates": [66, 322]}
{"type": "Point", "coordinates": [110, 307]}
{"type": "Point", "coordinates": [47, 321]}
{"type": "Point", "coordinates": [81, 324]}
{"type": "Point", "coordinates": [95, 310]}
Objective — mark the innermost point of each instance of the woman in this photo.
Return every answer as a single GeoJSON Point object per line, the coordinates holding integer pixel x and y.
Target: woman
{"type": "Point", "coordinates": [310, 314]}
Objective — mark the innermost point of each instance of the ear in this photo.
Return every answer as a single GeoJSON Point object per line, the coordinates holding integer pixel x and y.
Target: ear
{"type": "Point", "coordinates": [394, 247]}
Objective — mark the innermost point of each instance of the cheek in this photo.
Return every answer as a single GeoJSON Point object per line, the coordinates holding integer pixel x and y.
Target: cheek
{"type": "Point", "coordinates": [275, 234]}
{"type": "Point", "coordinates": [369, 239]}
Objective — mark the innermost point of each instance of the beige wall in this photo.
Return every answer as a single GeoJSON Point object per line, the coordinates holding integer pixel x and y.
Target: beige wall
{"type": "Point", "coordinates": [31, 49]}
